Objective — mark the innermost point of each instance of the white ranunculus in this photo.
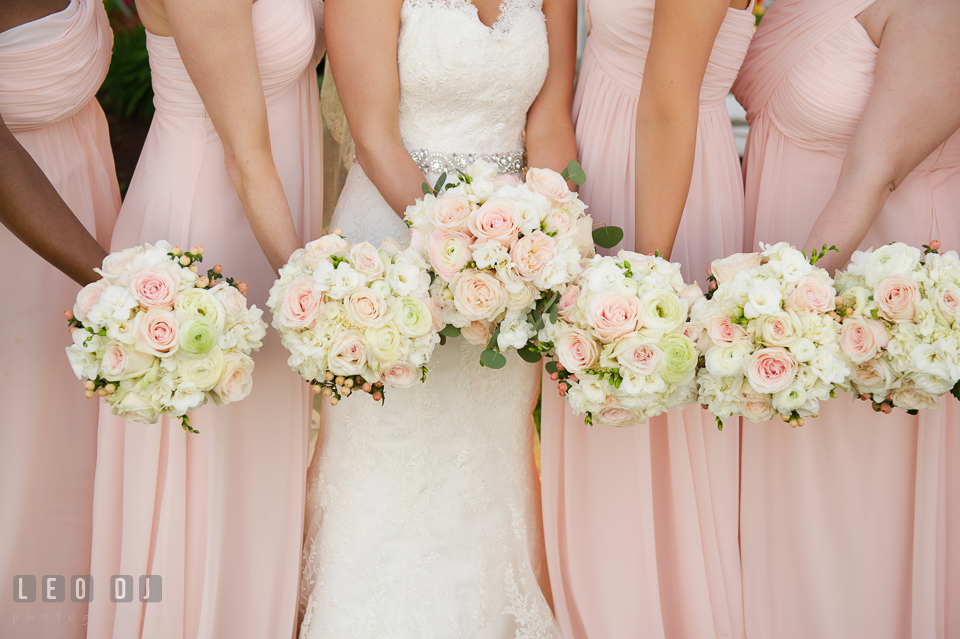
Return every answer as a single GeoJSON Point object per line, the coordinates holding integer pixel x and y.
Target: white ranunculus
{"type": "Point", "coordinates": [728, 361]}
{"type": "Point", "coordinates": [204, 372]}
{"type": "Point", "coordinates": [789, 399]}
{"type": "Point", "coordinates": [889, 260]}
{"type": "Point", "coordinates": [803, 349]}
{"type": "Point", "coordinates": [763, 299]}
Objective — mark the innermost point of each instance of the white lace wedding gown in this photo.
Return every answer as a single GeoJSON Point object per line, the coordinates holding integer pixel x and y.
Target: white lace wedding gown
{"type": "Point", "coordinates": [423, 515]}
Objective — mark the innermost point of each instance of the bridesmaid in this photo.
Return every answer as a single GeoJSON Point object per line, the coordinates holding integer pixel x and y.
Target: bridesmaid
{"type": "Point", "coordinates": [54, 55]}
{"type": "Point", "coordinates": [232, 162]}
{"type": "Point", "coordinates": [641, 522]}
{"type": "Point", "coordinates": [849, 524]}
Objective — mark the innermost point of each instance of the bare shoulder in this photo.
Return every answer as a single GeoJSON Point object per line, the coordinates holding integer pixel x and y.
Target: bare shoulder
{"type": "Point", "coordinates": [934, 21]}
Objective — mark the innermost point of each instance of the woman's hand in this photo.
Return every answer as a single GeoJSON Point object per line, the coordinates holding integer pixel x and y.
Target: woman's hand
{"type": "Point", "coordinates": [32, 210]}
{"type": "Point", "coordinates": [913, 108]}
{"type": "Point", "coordinates": [215, 40]}
{"type": "Point", "coordinates": [362, 40]}
{"type": "Point", "coordinates": [668, 112]}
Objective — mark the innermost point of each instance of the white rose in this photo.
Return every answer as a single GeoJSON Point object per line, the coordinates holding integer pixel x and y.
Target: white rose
{"type": "Point", "coordinates": [521, 295]}
{"type": "Point", "coordinates": [366, 260]}
{"type": "Point", "coordinates": [763, 299]}
{"type": "Point", "coordinates": [236, 382]}
{"type": "Point", "coordinates": [592, 388]}
{"type": "Point", "coordinates": [757, 408]}
{"type": "Point", "coordinates": [889, 260]}
{"type": "Point", "coordinates": [134, 407]}
{"type": "Point", "coordinates": [728, 361]}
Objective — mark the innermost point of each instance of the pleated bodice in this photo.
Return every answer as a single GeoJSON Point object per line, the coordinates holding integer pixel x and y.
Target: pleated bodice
{"type": "Point", "coordinates": [620, 38]}
{"type": "Point", "coordinates": [50, 68]}
{"type": "Point", "coordinates": [284, 34]}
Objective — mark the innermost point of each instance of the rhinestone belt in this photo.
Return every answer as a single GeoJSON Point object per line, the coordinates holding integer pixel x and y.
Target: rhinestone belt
{"type": "Point", "coordinates": [452, 162]}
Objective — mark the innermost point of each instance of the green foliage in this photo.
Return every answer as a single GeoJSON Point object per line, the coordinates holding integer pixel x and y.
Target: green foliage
{"type": "Point", "coordinates": [127, 89]}
{"type": "Point", "coordinates": [607, 236]}
{"type": "Point", "coordinates": [574, 173]}
{"type": "Point", "coordinates": [817, 255]}
{"type": "Point", "coordinates": [492, 359]}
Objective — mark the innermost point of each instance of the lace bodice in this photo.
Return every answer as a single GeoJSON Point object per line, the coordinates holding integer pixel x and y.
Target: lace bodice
{"type": "Point", "coordinates": [466, 87]}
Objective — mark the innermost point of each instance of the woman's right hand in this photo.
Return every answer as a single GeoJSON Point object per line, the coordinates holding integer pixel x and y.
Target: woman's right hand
{"type": "Point", "coordinates": [362, 38]}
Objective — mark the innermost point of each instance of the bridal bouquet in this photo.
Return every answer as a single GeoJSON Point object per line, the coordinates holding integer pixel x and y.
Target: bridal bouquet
{"type": "Point", "coordinates": [771, 338]}
{"type": "Point", "coordinates": [153, 337]}
{"type": "Point", "coordinates": [623, 341]}
{"type": "Point", "coordinates": [900, 310]}
{"type": "Point", "coordinates": [355, 318]}
{"type": "Point", "coordinates": [502, 252]}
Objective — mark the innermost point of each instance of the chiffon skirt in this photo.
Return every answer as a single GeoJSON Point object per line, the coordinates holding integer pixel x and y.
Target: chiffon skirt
{"type": "Point", "coordinates": [49, 430]}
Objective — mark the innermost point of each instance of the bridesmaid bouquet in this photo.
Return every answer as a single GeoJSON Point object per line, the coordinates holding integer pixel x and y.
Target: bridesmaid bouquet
{"type": "Point", "coordinates": [900, 310]}
{"type": "Point", "coordinates": [770, 336]}
{"type": "Point", "coordinates": [623, 340]}
{"type": "Point", "coordinates": [155, 338]}
{"type": "Point", "coordinates": [355, 318]}
{"type": "Point", "coordinates": [502, 252]}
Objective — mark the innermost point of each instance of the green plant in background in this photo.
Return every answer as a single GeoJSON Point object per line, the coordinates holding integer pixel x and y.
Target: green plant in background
{"type": "Point", "coordinates": [127, 90]}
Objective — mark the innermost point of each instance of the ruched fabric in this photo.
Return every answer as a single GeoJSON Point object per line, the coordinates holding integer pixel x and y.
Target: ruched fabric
{"type": "Point", "coordinates": [50, 70]}
{"type": "Point", "coordinates": [219, 514]}
{"type": "Point", "coordinates": [641, 522]}
{"type": "Point", "coordinates": [849, 524]}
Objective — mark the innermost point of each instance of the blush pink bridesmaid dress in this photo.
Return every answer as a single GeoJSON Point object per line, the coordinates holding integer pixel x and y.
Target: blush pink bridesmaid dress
{"type": "Point", "coordinates": [850, 525]}
{"type": "Point", "coordinates": [217, 515]}
{"type": "Point", "coordinates": [50, 70]}
{"type": "Point", "coordinates": [641, 522]}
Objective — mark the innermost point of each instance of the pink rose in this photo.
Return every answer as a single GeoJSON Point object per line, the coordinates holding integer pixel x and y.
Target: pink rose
{"type": "Point", "coordinates": [531, 254]}
{"type": "Point", "coordinates": [757, 408]}
{"type": "Point", "coordinates": [576, 350]}
{"type": "Point", "coordinates": [301, 304]}
{"type": "Point", "coordinates": [728, 267]}
{"type": "Point", "coordinates": [498, 220]}
{"type": "Point", "coordinates": [770, 370]}
{"type": "Point", "coordinates": [505, 180]}
{"type": "Point", "coordinates": [324, 247]}
{"type": "Point", "coordinates": [477, 333]}
{"type": "Point", "coordinates": [119, 363]}
{"type": "Point", "coordinates": [452, 212]}
{"type": "Point", "coordinates": [723, 332]}
{"type": "Point", "coordinates": [696, 334]}
{"type": "Point", "coordinates": [897, 298]}
{"type": "Point", "coordinates": [549, 184]}
{"type": "Point", "coordinates": [348, 354]}
{"type": "Point", "coordinates": [874, 376]}
{"type": "Point", "coordinates": [390, 246]}
{"type": "Point", "coordinates": [613, 315]}
{"type": "Point", "coordinates": [115, 264]}
{"type": "Point", "coordinates": [232, 300]}
{"type": "Point", "coordinates": [811, 294]}
{"type": "Point", "coordinates": [909, 397]}
{"type": "Point", "coordinates": [560, 223]}
{"type": "Point", "coordinates": [435, 312]}
{"type": "Point", "coordinates": [692, 294]}
{"type": "Point", "coordinates": [612, 414]}
{"type": "Point", "coordinates": [236, 381]}
{"type": "Point", "coordinates": [364, 308]}
{"type": "Point", "coordinates": [640, 356]}
{"type": "Point", "coordinates": [478, 295]}
{"type": "Point", "coordinates": [401, 375]}
{"type": "Point", "coordinates": [947, 297]}
{"type": "Point", "coordinates": [449, 251]}
{"type": "Point", "coordinates": [156, 332]}
{"type": "Point", "coordinates": [154, 287]}
{"type": "Point", "coordinates": [862, 339]}
{"type": "Point", "coordinates": [567, 305]}
{"type": "Point", "coordinates": [366, 260]}
{"type": "Point", "coordinates": [87, 298]}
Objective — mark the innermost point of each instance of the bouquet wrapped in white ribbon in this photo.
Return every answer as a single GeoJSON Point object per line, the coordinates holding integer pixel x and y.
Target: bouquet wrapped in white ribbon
{"type": "Point", "coordinates": [770, 336]}
{"type": "Point", "coordinates": [354, 317]}
{"type": "Point", "coordinates": [153, 337]}
{"type": "Point", "coordinates": [622, 340]}
{"type": "Point", "coordinates": [900, 309]}
{"type": "Point", "coordinates": [502, 250]}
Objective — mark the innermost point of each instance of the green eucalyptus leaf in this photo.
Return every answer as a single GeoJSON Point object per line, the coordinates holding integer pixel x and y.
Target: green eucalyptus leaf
{"type": "Point", "coordinates": [492, 344]}
{"type": "Point", "coordinates": [607, 236]}
{"type": "Point", "coordinates": [425, 188]}
{"type": "Point", "coordinates": [492, 359]}
{"type": "Point", "coordinates": [449, 331]}
{"type": "Point", "coordinates": [528, 354]}
{"type": "Point", "coordinates": [574, 173]}
{"type": "Point", "coordinates": [440, 183]}
{"type": "Point", "coordinates": [551, 367]}
{"type": "Point", "coordinates": [553, 314]}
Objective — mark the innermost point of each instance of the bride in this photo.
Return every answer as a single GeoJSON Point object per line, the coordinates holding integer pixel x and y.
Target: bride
{"type": "Point", "coordinates": [423, 514]}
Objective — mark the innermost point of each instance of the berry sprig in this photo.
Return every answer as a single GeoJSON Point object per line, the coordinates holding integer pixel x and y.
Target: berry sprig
{"type": "Point", "coordinates": [336, 387]}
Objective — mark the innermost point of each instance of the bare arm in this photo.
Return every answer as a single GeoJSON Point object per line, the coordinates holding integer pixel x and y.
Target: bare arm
{"type": "Point", "coordinates": [668, 112]}
{"type": "Point", "coordinates": [550, 138]}
{"type": "Point", "coordinates": [32, 210]}
{"type": "Point", "coordinates": [362, 47]}
{"type": "Point", "coordinates": [913, 108]}
{"type": "Point", "coordinates": [215, 40]}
